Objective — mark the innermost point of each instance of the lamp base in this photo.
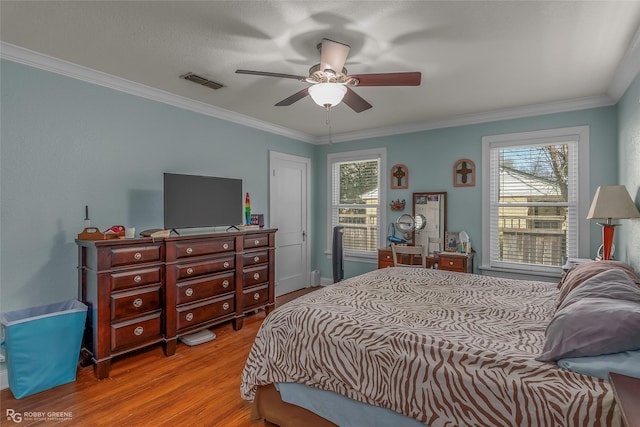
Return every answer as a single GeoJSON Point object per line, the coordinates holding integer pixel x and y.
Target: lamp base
{"type": "Point", "coordinates": [608, 231]}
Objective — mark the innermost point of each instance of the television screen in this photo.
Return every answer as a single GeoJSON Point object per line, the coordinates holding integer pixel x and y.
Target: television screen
{"type": "Point", "coordinates": [201, 201]}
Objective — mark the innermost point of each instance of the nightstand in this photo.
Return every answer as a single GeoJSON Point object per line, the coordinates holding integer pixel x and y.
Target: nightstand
{"type": "Point", "coordinates": [454, 261]}
{"type": "Point", "coordinates": [627, 393]}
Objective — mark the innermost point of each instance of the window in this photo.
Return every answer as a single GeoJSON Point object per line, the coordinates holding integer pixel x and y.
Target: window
{"type": "Point", "coordinates": [538, 191]}
{"type": "Point", "coordinates": [357, 200]}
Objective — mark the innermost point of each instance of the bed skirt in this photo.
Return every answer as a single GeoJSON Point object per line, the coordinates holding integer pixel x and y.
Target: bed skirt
{"type": "Point", "coordinates": [269, 406]}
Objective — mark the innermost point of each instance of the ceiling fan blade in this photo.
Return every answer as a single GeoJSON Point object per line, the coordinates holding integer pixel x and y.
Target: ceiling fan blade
{"type": "Point", "coordinates": [389, 79]}
{"type": "Point", "coordinates": [355, 101]}
{"type": "Point", "coordinates": [333, 55]}
{"type": "Point", "coordinates": [293, 98]}
{"type": "Point", "coordinates": [268, 74]}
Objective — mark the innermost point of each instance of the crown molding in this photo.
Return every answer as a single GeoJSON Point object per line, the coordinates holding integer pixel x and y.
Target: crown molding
{"type": "Point", "coordinates": [48, 63]}
{"type": "Point", "coordinates": [472, 119]}
{"type": "Point", "coordinates": [627, 71]}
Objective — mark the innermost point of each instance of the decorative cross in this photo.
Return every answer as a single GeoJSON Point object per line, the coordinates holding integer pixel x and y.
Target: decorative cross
{"type": "Point", "coordinates": [464, 171]}
{"type": "Point", "coordinates": [399, 174]}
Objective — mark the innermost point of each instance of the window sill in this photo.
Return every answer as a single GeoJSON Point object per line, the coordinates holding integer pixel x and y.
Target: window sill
{"type": "Point", "coordinates": [366, 258]}
{"type": "Point", "coordinates": [520, 274]}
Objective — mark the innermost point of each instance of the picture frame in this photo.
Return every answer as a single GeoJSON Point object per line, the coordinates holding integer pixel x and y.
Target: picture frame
{"type": "Point", "coordinates": [452, 241]}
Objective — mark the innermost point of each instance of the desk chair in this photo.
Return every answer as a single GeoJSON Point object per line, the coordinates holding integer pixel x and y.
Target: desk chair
{"type": "Point", "coordinates": [411, 252]}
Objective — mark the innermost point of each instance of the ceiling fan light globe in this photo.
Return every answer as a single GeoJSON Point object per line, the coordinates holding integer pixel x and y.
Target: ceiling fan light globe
{"type": "Point", "coordinates": [330, 94]}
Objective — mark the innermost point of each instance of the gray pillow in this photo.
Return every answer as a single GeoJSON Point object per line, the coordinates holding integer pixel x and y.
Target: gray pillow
{"type": "Point", "coordinates": [613, 284]}
{"type": "Point", "coordinates": [591, 327]}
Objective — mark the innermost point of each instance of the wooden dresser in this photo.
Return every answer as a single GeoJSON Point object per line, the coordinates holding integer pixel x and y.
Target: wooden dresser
{"type": "Point", "coordinates": [147, 291]}
{"type": "Point", "coordinates": [444, 261]}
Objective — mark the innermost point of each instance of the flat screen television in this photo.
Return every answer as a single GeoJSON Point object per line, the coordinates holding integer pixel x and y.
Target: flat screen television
{"type": "Point", "coordinates": [192, 201]}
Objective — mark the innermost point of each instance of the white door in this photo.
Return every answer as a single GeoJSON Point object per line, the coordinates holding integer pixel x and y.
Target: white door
{"type": "Point", "coordinates": [288, 208]}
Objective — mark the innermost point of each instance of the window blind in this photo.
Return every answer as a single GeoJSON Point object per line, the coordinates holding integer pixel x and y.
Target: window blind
{"type": "Point", "coordinates": [533, 202]}
{"type": "Point", "coordinates": [354, 200]}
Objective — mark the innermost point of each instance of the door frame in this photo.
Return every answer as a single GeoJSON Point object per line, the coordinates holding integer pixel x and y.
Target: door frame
{"type": "Point", "coordinates": [275, 156]}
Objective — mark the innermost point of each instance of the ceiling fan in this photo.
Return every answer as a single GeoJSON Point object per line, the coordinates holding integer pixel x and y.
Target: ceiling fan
{"type": "Point", "coordinates": [331, 84]}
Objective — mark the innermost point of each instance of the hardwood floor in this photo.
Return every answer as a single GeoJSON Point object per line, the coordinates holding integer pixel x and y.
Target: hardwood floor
{"type": "Point", "coordinates": [198, 386]}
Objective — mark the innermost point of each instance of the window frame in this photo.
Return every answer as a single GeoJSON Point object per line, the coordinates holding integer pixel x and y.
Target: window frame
{"type": "Point", "coordinates": [581, 236]}
{"type": "Point", "coordinates": [379, 154]}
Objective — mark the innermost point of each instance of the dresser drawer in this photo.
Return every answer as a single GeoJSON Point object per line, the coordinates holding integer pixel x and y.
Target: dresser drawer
{"type": "Point", "coordinates": [134, 303]}
{"type": "Point", "coordinates": [194, 269]}
{"type": "Point", "coordinates": [193, 290]}
{"type": "Point", "coordinates": [136, 332]}
{"type": "Point", "coordinates": [135, 278]}
{"type": "Point", "coordinates": [462, 263]}
{"type": "Point", "coordinates": [256, 241]}
{"type": "Point", "coordinates": [385, 258]}
{"type": "Point", "coordinates": [255, 276]}
{"type": "Point", "coordinates": [194, 314]}
{"type": "Point", "coordinates": [257, 257]}
{"type": "Point", "coordinates": [452, 264]}
{"type": "Point", "coordinates": [132, 255]}
{"type": "Point", "coordinates": [257, 296]}
{"type": "Point", "coordinates": [198, 248]}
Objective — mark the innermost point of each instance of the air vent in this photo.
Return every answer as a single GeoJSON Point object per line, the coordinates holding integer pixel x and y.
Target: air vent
{"type": "Point", "coordinates": [201, 81]}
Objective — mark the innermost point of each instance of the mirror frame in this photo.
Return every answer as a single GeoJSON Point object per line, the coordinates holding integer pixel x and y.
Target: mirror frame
{"type": "Point", "coordinates": [417, 237]}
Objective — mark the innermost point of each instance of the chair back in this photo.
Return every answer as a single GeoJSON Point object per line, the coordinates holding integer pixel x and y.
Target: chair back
{"type": "Point", "coordinates": [403, 256]}
{"type": "Point", "coordinates": [435, 246]}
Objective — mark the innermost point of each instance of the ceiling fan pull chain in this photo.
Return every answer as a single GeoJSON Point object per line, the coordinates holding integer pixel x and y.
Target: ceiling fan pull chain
{"type": "Point", "coordinates": [328, 123]}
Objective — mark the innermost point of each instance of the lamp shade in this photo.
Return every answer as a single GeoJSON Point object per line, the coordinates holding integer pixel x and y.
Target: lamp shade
{"type": "Point", "coordinates": [612, 202]}
{"type": "Point", "coordinates": [327, 94]}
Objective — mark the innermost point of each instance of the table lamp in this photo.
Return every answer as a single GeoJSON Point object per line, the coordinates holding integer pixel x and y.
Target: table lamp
{"type": "Point", "coordinates": [611, 202]}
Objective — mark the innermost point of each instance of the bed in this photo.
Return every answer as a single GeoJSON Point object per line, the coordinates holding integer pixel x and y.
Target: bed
{"type": "Point", "coordinates": [433, 347]}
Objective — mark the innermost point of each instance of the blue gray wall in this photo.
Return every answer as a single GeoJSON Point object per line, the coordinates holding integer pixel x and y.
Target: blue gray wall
{"type": "Point", "coordinates": [628, 235]}
{"type": "Point", "coordinates": [66, 144]}
{"type": "Point", "coordinates": [430, 156]}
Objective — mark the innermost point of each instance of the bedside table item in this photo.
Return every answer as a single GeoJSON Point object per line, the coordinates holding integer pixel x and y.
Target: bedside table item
{"type": "Point", "coordinates": [627, 393]}
{"type": "Point", "coordinates": [454, 261]}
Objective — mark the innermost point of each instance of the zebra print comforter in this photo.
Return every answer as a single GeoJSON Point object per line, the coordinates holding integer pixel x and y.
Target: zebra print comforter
{"type": "Point", "coordinates": [448, 349]}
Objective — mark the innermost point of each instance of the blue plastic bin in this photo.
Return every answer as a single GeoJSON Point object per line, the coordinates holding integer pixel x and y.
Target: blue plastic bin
{"type": "Point", "coordinates": [43, 345]}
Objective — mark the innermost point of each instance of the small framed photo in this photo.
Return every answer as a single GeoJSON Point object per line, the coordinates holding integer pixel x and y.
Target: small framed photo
{"type": "Point", "coordinates": [452, 239]}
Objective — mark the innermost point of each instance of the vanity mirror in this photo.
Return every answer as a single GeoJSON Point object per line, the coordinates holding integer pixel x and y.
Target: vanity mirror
{"type": "Point", "coordinates": [433, 207]}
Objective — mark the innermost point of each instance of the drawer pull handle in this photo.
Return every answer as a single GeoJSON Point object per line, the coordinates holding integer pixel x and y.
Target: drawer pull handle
{"type": "Point", "coordinates": [450, 262]}
{"type": "Point", "coordinates": [189, 250]}
{"type": "Point", "coordinates": [137, 256]}
{"type": "Point", "coordinates": [256, 259]}
{"type": "Point", "coordinates": [137, 302]}
{"type": "Point", "coordinates": [225, 284]}
{"type": "Point", "coordinates": [188, 292]}
{"type": "Point", "coordinates": [189, 270]}
{"type": "Point", "coordinates": [137, 279]}
{"type": "Point", "coordinates": [256, 276]}
{"type": "Point", "coordinates": [189, 317]}
{"type": "Point", "coordinates": [256, 242]}
{"type": "Point", "coordinates": [225, 306]}
{"type": "Point", "coordinates": [226, 264]}
{"type": "Point", "coordinates": [256, 296]}
{"type": "Point", "coordinates": [225, 246]}
{"type": "Point", "coordinates": [138, 331]}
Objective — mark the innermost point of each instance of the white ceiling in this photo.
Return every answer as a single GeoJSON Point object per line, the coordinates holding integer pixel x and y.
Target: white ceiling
{"type": "Point", "coordinates": [479, 59]}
